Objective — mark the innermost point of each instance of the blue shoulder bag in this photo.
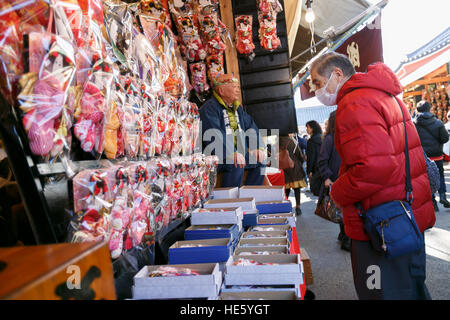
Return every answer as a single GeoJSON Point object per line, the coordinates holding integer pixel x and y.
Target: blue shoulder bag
{"type": "Point", "coordinates": [391, 226]}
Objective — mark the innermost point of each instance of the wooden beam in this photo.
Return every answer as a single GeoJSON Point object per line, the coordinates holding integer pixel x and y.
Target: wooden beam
{"type": "Point", "coordinates": [412, 93]}
{"type": "Point", "coordinates": [293, 13]}
{"type": "Point", "coordinates": [231, 59]}
{"type": "Point", "coordinates": [439, 72]}
{"type": "Point", "coordinates": [429, 81]}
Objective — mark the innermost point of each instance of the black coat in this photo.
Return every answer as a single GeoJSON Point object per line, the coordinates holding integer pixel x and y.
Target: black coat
{"type": "Point", "coordinates": [432, 133]}
{"type": "Point", "coordinates": [312, 153]}
{"type": "Point", "coordinates": [295, 153]}
{"type": "Point", "coordinates": [329, 162]}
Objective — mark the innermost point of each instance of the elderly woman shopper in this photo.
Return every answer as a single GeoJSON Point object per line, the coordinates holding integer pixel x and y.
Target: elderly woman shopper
{"type": "Point", "coordinates": [312, 155]}
{"type": "Point", "coordinates": [329, 163]}
{"type": "Point", "coordinates": [294, 177]}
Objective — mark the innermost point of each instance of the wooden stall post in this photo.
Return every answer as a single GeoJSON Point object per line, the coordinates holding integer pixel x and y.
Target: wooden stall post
{"type": "Point", "coordinates": [232, 66]}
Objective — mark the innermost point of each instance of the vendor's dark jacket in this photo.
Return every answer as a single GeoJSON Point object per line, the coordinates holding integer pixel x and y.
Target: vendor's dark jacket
{"type": "Point", "coordinates": [312, 153]}
{"type": "Point", "coordinates": [211, 116]}
{"type": "Point", "coordinates": [432, 133]}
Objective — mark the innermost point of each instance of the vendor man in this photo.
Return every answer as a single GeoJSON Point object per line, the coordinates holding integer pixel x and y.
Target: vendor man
{"type": "Point", "coordinates": [226, 125]}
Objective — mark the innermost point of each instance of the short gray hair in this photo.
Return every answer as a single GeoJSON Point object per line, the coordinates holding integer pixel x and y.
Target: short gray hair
{"type": "Point", "coordinates": [325, 64]}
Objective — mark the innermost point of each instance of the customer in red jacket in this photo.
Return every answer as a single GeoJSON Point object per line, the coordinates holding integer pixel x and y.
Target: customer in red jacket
{"type": "Point", "coordinates": [369, 137]}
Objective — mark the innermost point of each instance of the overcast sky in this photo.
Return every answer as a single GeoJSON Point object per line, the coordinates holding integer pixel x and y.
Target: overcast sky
{"type": "Point", "coordinates": [409, 24]}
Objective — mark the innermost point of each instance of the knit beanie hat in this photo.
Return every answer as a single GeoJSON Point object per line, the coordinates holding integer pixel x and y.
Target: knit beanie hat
{"type": "Point", "coordinates": [423, 106]}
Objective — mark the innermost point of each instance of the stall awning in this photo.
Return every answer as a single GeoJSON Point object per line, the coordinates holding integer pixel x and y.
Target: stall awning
{"type": "Point", "coordinates": [424, 60]}
{"type": "Point", "coordinates": [335, 32]}
{"type": "Point", "coordinates": [329, 14]}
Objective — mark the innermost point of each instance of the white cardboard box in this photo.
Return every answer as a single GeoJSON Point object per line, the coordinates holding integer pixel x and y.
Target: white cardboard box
{"type": "Point", "coordinates": [244, 203]}
{"type": "Point", "coordinates": [250, 251]}
{"type": "Point", "coordinates": [263, 234]}
{"type": "Point", "coordinates": [263, 242]}
{"type": "Point", "coordinates": [275, 221]}
{"type": "Point", "coordinates": [290, 294]}
{"type": "Point", "coordinates": [262, 193]}
{"type": "Point", "coordinates": [291, 218]}
{"type": "Point", "coordinates": [287, 270]}
{"type": "Point", "coordinates": [225, 215]}
{"type": "Point", "coordinates": [200, 251]}
{"type": "Point", "coordinates": [225, 193]}
{"type": "Point", "coordinates": [205, 285]}
{"type": "Point", "coordinates": [271, 228]}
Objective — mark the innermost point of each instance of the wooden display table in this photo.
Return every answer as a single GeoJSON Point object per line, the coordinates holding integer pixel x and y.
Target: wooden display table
{"type": "Point", "coordinates": [81, 271]}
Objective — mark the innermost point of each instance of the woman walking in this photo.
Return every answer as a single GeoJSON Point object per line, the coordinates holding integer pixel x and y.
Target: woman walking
{"type": "Point", "coordinates": [329, 163]}
{"type": "Point", "coordinates": [294, 177]}
{"type": "Point", "coordinates": [312, 155]}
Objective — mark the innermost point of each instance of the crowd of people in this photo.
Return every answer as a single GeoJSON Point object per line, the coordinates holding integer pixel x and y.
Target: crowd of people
{"type": "Point", "coordinates": [438, 99]}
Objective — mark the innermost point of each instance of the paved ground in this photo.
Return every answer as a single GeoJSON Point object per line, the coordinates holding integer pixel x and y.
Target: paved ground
{"type": "Point", "coordinates": [331, 266]}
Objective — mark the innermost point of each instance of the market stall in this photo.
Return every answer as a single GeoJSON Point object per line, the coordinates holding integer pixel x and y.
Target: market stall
{"type": "Point", "coordinates": [99, 119]}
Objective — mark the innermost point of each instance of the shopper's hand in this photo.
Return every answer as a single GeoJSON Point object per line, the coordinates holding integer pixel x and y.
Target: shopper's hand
{"type": "Point", "coordinates": [310, 175]}
{"type": "Point", "coordinates": [259, 155]}
{"type": "Point", "coordinates": [239, 160]}
{"type": "Point", "coordinates": [328, 183]}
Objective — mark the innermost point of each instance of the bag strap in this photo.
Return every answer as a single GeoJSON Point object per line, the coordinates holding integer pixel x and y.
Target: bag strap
{"type": "Point", "coordinates": [408, 183]}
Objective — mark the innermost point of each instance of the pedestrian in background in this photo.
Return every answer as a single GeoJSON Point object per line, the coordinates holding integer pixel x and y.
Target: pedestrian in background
{"type": "Point", "coordinates": [370, 139]}
{"type": "Point", "coordinates": [329, 164]}
{"type": "Point", "coordinates": [312, 155]}
{"type": "Point", "coordinates": [433, 135]}
{"type": "Point", "coordinates": [302, 143]}
{"type": "Point", "coordinates": [294, 177]}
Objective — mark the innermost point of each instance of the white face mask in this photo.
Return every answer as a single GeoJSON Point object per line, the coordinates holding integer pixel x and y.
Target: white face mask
{"type": "Point", "coordinates": [328, 99]}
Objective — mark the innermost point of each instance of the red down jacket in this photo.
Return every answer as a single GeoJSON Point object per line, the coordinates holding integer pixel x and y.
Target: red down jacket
{"type": "Point", "coordinates": [369, 137]}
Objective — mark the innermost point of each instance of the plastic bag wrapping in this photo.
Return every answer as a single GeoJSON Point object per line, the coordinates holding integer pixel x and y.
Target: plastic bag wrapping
{"type": "Point", "coordinates": [141, 195]}
{"type": "Point", "coordinates": [131, 114]}
{"type": "Point", "coordinates": [92, 206]}
{"type": "Point", "coordinates": [198, 77]}
{"type": "Point", "coordinates": [68, 18]}
{"type": "Point", "coordinates": [172, 74]}
{"type": "Point", "coordinates": [121, 211]}
{"type": "Point", "coordinates": [16, 16]}
{"type": "Point", "coordinates": [119, 25]}
{"type": "Point", "coordinates": [91, 43]}
{"type": "Point", "coordinates": [148, 125]}
{"type": "Point", "coordinates": [181, 7]}
{"type": "Point", "coordinates": [161, 203]}
{"type": "Point", "coordinates": [195, 131]}
{"type": "Point", "coordinates": [244, 32]}
{"type": "Point", "coordinates": [267, 17]}
{"type": "Point", "coordinates": [157, 185]}
{"type": "Point", "coordinates": [157, 9]}
{"type": "Point", "coordinates": [210, 174]}
{"type": "Point", "coordinates": [191, 44]}
{"type": "Point", "coordinates": [128, 203]}
{"type": "Point", "coordinates": [196, 171]}
{"type": "Point", "coordinates": [93, 9]}
{"type": "Point", "coordinates": [149, 66]}
{"type": "Point", "coordinates": [212, 31]}
{"type": "Point", "coordinates": [215, 66]}
{"type": "Point", "coordinates": [11, 66]}
{"type": "Point", "coordinates": [90, 114]}
{"type": "Point", "coordinates": [44, 96]}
